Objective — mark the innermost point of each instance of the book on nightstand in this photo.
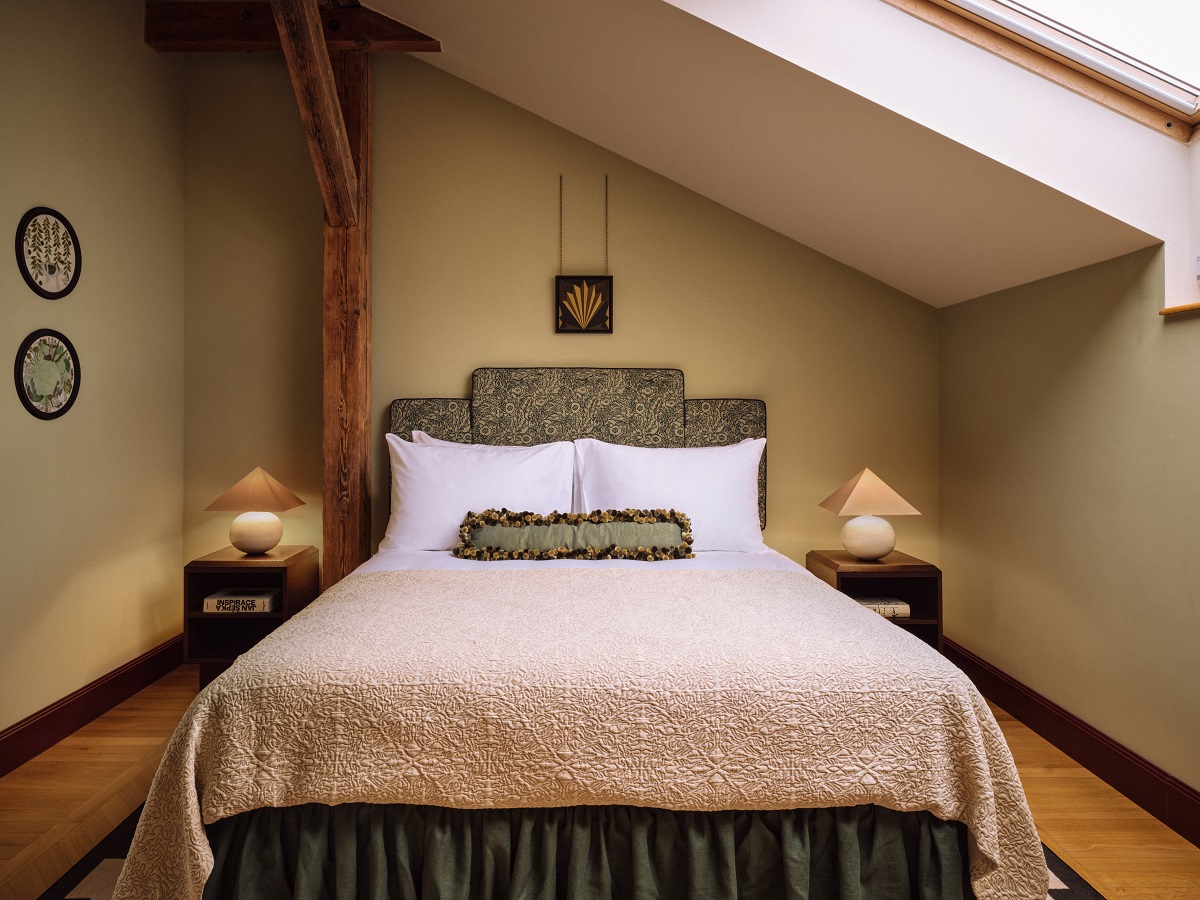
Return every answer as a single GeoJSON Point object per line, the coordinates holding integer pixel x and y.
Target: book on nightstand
{"type": "Point", "coordinates": [888, 607]}
{"type": "Point", "coordinates": [235, 600]}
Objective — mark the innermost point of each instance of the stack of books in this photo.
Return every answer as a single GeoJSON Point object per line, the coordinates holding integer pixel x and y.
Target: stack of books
{"type": "Point", "coordinates": [238, 600]}
{"type": "Point", "coordinates": [888, 607]}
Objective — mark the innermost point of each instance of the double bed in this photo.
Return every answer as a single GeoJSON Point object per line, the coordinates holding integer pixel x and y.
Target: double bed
{"type": "Point", "coordinates": [720, 726]}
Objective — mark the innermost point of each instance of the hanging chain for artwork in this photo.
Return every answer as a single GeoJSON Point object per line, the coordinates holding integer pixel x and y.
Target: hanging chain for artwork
{"type": "Point", "coordinates": [583, 303]}
{"type": "Point", "coordinates": [560, 224]}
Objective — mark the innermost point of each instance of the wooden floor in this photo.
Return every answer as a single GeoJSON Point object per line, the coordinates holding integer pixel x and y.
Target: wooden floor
{"type": "Point", "coordinates": [59, 805]}
{"type": "Point", "coordinates": [1122, 850]}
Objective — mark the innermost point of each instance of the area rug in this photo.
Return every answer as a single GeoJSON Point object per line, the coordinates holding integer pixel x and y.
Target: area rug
{"type": "Point", "coordinates": [95, 876]}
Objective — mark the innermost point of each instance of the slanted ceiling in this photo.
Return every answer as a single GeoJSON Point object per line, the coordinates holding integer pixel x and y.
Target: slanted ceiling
{"type": "Point", "coordinates": [774, 142]}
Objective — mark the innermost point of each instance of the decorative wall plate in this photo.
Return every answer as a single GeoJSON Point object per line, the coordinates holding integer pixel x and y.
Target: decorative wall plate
{"type": "Point", "coordinates": [48, 253]}
{"type": "Point", "coordinates": [47, 374]}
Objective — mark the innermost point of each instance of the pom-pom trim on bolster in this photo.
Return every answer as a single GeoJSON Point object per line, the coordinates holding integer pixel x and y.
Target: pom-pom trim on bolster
{"type": "Point", "coordinates": [466, 548]}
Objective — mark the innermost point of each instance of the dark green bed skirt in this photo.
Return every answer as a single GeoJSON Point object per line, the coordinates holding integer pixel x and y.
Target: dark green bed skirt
{"type": "Point", "coordinates": [361, 851]}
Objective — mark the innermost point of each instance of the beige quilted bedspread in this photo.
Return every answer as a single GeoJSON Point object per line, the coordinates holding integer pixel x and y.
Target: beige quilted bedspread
{"type": "Point", "coordinates": [675, 689]}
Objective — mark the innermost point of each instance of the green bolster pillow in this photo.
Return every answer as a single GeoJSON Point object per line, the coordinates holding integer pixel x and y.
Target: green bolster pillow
{"type": "Point", "coordinates": [498, 534]}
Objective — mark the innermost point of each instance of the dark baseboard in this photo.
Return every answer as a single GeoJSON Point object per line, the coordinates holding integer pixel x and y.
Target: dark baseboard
{"type": "Point", "coordinates": [21, 742]}
{"type": "Point", "coordinates": [1159, 793]}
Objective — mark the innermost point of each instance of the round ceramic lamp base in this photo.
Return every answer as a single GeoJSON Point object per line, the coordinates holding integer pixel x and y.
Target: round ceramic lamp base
{"type": "Point", "coordinates": [869, 537]}
{"type": "Point", "coordinates": [256, 532]}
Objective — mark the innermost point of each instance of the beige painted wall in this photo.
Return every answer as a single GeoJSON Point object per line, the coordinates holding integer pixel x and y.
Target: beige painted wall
{"type": "Point", "coordinates": [1070, 506]}
{"type": "Point", "coordinates": [253, 295]}
{"type": "Point", "coordinates": [90, 504]}
{"type": "Point", "coordinates": [466, 248]}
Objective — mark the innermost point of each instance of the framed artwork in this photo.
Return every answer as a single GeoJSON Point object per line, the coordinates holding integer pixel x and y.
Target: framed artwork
{"type": "Point", "coordinates": [48, 253]}
{"type": "Point", "coordinates": [583, 304]}
{"type": "Point", "coordinates": [47, 374]}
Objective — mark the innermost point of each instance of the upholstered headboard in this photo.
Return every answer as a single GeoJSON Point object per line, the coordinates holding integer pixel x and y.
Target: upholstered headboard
{"type": "Point", "coordinates": [642, 407]}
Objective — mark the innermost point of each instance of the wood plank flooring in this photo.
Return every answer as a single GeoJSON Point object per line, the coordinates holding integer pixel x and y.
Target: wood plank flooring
{"type": "Point", "coordinates": [63, 802]}
{"type": "Point", "coordinates": [57, 806]}
{"type": "Point", "coordinates": [1122, 850]}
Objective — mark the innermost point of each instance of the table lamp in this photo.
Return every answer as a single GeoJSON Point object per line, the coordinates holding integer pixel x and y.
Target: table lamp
{"type": "Point", "coordinates": [866, 497]}
{"type": "Point", "coordinates": [257, 497]}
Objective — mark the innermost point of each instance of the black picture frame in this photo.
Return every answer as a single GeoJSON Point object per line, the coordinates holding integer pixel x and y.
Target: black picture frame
{"type": "Point", "coordinates": [31, 402]}
{"type": "Point", "coordinates": [57, 257]}
{"type": "Point", "coordinates": [583, 304]}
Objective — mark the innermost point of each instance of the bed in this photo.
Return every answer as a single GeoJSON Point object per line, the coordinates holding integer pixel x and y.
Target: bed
{"type": "Point", "coordinates": [725, 725]}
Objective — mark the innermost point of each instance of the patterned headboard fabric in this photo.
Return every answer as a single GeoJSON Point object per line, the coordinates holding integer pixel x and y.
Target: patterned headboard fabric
{"type": "Point", "coordinates": [444, 419]}
{"type": "Point", "coordinates": [641, 407]}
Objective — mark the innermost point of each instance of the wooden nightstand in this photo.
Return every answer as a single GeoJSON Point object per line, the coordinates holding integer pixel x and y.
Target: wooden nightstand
{"type": "Point", "coordinates": [214, 640]}
{"type": "Point", "coordinates": [916, 582]}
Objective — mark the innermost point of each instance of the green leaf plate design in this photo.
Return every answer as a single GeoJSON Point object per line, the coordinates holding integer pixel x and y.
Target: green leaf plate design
{"type": "Point", "coordinates": [46, 372]}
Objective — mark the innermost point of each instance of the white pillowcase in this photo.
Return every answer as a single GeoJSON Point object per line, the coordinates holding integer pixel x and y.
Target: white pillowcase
{"type": "Point", "coordinates": [716, 487]}
{"type": "Point", "coordinates": [434, 487]}
{"type": "Point", "coordinates": [420, 437]}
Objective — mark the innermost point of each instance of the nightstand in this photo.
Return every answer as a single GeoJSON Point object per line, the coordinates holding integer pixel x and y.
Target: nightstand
{"type": "Point", "coordinates": [214, 640]}
{"type": "Point", "coordinates": [916, 582]}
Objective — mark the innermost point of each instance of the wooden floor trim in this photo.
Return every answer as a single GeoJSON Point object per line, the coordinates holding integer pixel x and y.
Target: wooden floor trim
{"type": "Point", "coordinates": [1161, 794]}
{"type": "Point", "coordinates": [24, 740]}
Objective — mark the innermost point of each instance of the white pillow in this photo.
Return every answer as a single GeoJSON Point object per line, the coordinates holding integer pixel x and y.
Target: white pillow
{"type": "Point", "coordinates": [433, 488]}
{"type": "Point", "coordinates": [420, 437]}
{"type": "Point", "coordinates": [717, 487]}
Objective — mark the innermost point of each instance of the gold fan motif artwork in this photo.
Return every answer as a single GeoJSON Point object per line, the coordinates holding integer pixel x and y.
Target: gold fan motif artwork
{"type": "Point", "coordinates": [583, 303]}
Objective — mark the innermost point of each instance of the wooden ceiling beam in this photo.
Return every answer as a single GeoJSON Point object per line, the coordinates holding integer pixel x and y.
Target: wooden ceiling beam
{"type": "Point", "coordinates": [299, 25]}
{"type": "Point", "coordinates": [247, 26]}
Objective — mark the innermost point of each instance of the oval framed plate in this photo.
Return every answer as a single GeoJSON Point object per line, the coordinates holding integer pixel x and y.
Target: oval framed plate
{"type": "Point", "coordinates": [48, 253]}
{"type": "Point", "coordinates": [47, 374]}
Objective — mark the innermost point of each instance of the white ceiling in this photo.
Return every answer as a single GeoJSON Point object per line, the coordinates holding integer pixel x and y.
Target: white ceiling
{"type": "Point", "coordinates": [774, 142]}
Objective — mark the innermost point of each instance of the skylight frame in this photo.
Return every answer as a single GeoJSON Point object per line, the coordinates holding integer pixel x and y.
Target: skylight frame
{"type": "Point", "coordinates": [1096, 56]}
{"type": "Point", "coordinates": [1037, 58]}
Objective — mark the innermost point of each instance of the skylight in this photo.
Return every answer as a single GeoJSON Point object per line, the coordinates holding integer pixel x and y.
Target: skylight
{"type": "Point", "coordinates": [1162, 32]}
{"type": "Point", "coordinates": [1077, 48]}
